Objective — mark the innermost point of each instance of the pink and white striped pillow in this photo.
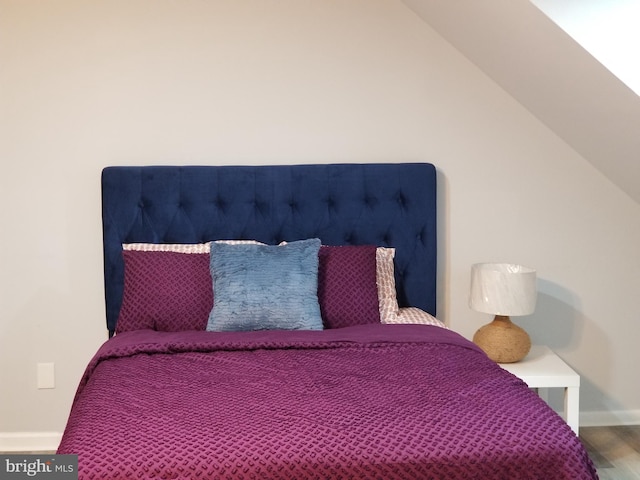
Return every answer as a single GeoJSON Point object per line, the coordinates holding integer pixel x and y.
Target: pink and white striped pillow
{"type": "Point", "coordinates": [390, 313]}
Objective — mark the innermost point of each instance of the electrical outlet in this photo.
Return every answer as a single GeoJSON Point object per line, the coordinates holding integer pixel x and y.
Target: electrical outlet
{"type": "Point", "coordinates": [46, 375]}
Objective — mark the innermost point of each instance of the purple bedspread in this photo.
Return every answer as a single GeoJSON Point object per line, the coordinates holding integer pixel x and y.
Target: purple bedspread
{"type": "Point", "coordinates": [374, 401]}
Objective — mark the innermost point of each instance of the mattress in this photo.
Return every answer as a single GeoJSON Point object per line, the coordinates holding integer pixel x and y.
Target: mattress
{"type": "Point", "coordinates": [368, 401]}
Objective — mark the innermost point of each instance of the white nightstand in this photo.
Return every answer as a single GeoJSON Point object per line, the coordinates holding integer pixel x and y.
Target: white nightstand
{"type": "Point", "coordinates": [544, 369]}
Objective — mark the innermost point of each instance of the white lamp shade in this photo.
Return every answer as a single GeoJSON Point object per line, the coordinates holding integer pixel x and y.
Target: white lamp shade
{"type": "Point", "coordinates": [503, 289]}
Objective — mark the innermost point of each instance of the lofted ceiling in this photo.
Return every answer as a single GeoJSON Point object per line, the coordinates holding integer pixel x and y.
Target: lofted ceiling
{"type": "Point", "coordinates": [551, 75]}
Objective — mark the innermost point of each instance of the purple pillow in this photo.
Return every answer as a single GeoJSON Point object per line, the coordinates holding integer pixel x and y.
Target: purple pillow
{"type": "Point", "coordinates": [347, 289]}
{"type": "Point", "coordinates": [166, 291]}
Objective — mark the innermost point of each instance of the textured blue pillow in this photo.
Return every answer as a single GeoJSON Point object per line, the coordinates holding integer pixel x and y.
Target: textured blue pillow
{"type": "Point", "coordinates": [265, 287]}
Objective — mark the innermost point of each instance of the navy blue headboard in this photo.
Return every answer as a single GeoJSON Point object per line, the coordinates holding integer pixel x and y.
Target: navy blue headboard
{"type": "Point", "coordinates": [342, 204]}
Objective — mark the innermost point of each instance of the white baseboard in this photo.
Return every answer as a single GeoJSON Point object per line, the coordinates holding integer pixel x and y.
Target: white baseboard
{"type": "Point", "coordinates": [609, 418]}
{"type": "Point", "coordinates": [29, 441]}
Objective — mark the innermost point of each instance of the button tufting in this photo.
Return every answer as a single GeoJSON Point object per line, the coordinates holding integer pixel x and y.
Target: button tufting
{"type": "Point", "coordinates": [220, 204]}
{"type": "Point", "coordinates": [370, 201]}
{"type": "Point", "coordinates": [402, 201]}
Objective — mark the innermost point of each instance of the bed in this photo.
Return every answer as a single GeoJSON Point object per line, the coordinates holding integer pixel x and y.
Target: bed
{"type": "Point", "coordinates": [279, 322]}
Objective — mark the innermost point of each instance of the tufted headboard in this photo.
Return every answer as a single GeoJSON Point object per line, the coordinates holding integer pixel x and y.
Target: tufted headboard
{"type": "Point", "coordinates": [390, 205]}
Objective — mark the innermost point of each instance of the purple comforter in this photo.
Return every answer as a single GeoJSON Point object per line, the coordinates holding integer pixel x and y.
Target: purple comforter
{"type": "Point", "coordinates": [375, 401]}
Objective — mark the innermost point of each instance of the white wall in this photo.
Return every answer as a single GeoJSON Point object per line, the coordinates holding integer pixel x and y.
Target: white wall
{"type": "Point", "coordinates": [89, 84]}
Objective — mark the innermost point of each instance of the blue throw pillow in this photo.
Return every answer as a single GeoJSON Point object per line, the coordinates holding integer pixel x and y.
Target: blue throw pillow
{"type": "Point", "coordinates": [265, 287]}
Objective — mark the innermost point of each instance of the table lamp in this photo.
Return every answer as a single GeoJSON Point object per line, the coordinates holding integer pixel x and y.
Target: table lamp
{"type": "Point", "coordinates": [504, 290]}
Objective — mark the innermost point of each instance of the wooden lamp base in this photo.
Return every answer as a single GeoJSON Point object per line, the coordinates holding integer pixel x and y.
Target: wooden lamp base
{"type": "Point", "coordinates": [503, 341]}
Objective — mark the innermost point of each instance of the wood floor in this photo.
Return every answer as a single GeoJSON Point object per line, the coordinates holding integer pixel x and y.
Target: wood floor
{"type": "Point", "coordinates": [614, 450]}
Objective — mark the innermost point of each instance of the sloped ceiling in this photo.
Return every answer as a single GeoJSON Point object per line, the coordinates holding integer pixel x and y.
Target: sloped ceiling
{"type": "Point", "coordinates": [546, 71]}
